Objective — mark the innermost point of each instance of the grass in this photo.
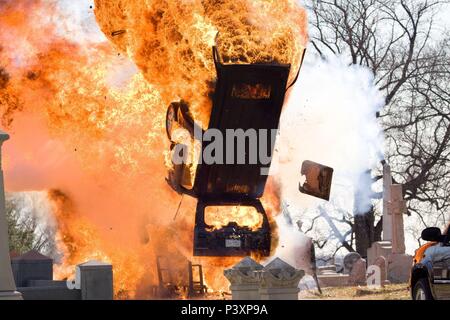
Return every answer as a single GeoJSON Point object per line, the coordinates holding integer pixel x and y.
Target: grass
{"type": "Point", "coordinates": [389, 292]}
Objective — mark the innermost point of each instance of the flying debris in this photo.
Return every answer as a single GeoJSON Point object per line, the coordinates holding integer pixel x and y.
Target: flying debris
{"type": "Point", "coordinates": [318, 180]}
{"type": "Point", "coordinates": [117, 32]}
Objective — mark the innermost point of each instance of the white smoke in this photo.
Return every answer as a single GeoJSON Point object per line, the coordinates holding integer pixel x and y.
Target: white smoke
{"type": "Point", "coordinates": [330, 118]}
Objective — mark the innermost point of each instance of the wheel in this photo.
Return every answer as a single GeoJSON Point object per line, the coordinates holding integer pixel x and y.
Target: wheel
{"type": "Point", "coordinates": [422, 290]}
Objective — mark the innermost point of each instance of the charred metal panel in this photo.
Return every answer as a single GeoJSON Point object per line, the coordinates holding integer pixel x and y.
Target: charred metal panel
{"type": "Point", "coordinates": [318, 180]}
{"type": "Point", "coordinates": [246, 97]}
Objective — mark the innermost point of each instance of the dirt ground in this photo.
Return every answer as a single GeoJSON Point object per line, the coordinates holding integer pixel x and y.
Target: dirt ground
{"type": "Point", "coordinates": [389, 292]}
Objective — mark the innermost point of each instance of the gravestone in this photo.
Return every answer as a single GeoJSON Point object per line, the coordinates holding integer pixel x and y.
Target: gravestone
{"type": "Point", "coordinates": [399, 263]}
{"type": "Point", "coordinates": [399, 268]}
{"type": "Point", "coordinates": [381, 262]}
{"type": "Point", "coordinates": [358, 273]}
{"type": "Point", "coordinates": [7, 285]}
{"type": "Point", "coordinates": [244, 279]}
{"type": "Point", "coordinates": [96, 280]}
{"type": "Point", "coordinates": [349, 261]}
{"type": "Point", "coordinates": [328, 269]}
{"type": "Point", "coordinates": [328, 280]}
{"type": "Point", "coordinates": [31, 266]}
{"type": "Point", "coordinates": [393, 245]}
{"type": "Point", "coordinates": [374, 277]}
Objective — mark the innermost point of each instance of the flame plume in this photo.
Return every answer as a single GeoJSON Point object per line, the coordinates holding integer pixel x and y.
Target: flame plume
{"type": "Point", "coordinates": [171, 41]}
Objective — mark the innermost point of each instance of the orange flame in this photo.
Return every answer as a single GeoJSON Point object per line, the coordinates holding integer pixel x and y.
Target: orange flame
{"type": "Point", "coordinates": [171, 41]}
{"type": "Point", "coordinates": [219, 217]}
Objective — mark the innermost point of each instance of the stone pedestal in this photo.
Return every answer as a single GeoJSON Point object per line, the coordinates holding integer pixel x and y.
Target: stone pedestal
{"type": "Point", "coordinates": [279, 293]}
{"type": "Point", "coordinates": [7, 285]}
{"type": "Point", "coordinates": [96, 280]}
{"type": "Point", "coordinates": [276, 281]}
{"type": "Point", "coordinates": [244, 279]}
{"type": "Point", "coordinates": [279, 281]}
{"type": "Point", "coordinates": [10, 295]}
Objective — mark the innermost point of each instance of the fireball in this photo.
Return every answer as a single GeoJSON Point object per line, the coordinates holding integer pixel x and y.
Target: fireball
{"type": "Point", "coordinates": [96, 141]}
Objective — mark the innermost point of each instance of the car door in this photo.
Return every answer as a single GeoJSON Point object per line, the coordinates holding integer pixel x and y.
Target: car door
{"type": "Point", "coordinates": [441, 269]}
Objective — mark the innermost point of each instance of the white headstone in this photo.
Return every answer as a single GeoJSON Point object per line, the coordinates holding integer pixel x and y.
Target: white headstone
{"type": "Point", "coordinates": [381, 262]}
{"type": "Point", "coordinates": [374, 276]}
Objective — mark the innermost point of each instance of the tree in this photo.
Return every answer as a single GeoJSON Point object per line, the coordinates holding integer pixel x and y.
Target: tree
{"type": "Point", "coordinates": [396, 40]}
{"type": "Point", "coordinates": [25, 230]}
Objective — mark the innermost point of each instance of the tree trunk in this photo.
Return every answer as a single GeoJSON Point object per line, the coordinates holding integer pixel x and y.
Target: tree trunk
{"type": "Point", "coordinates": [378, 230]}
{"type": "Point", "coordinates": [364, 232]}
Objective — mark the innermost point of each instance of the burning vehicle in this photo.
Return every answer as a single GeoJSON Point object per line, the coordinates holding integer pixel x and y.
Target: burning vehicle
{"type": "Point", "coordinates": [246, 96]}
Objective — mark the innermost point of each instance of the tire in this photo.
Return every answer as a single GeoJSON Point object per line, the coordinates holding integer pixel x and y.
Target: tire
{"type": "Point", "coordinates": [422, 290]}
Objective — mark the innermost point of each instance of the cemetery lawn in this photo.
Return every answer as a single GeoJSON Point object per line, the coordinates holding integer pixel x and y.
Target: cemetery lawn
{"type": "Point", "coordinates": [389, 292]}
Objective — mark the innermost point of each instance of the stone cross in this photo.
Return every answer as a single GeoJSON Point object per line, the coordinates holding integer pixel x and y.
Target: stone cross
{"type": "Point", "coordinates": [394, 206]}
{"type": "Point", "coordinates": [396, 209]}
{"type": "Point", "coordinates": [7, 285]}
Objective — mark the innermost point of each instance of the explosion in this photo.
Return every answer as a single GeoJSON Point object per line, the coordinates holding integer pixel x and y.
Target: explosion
{"type": "Point", "coordinates": [88, 126]}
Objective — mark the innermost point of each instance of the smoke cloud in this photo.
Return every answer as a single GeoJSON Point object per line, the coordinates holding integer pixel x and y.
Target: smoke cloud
{"type": "Point", "coordinates": [330, 118]}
